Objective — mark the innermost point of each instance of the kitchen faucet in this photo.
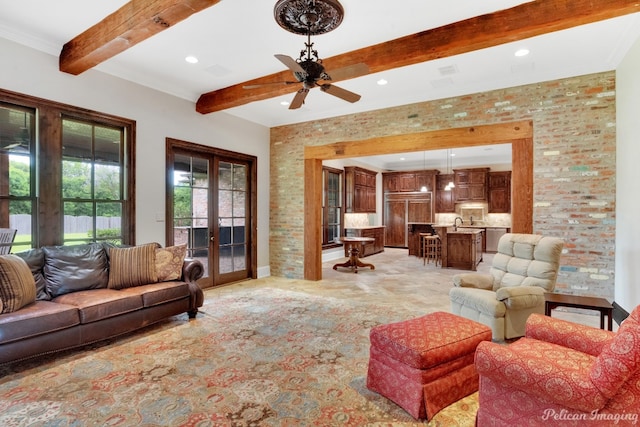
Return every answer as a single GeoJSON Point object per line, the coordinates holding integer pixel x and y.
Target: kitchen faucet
{"type": "Point", "coordinates": [455, 223]}
{"type": "Point", "coordinates": [471, 219]}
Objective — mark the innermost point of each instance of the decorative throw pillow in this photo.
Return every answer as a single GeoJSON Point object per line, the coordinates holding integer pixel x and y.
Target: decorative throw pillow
{"type": "Point", "coordinates": [132, 266]}
{"type": "Point", "coordinates": [73, 268]}
{"type": "Point", "coordinates": [17, 285]}
{"type": "Point", "coordinates": [169, 262]}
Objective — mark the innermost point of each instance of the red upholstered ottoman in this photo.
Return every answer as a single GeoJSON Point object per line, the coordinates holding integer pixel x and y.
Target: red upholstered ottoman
{"type": "Point", "coordinates": [425, 364]}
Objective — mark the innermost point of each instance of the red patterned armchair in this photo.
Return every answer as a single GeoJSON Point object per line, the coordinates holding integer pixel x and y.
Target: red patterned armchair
{"type": "Point", "coordinates": [562, 373]}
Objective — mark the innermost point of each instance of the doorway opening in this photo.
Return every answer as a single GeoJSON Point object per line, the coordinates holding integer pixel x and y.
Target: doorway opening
{"type": "Point", "coordinates": [518, 134]}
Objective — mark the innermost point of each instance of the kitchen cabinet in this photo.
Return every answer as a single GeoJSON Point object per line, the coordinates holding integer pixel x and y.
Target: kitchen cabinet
{"type": "Point", "coordinates": [445, 202]}
{"type": "Point", "coordinates": [360, 190]}
{"type": "Point", "coordinates": [409, 181]}
{"type": "Point", "coordinates": [403, 209]}
{"type": "Point", "coordinates": [405, 204]}
{"type": "Point", "coordinates": [471, 185]}
{"type": "Point", "coordinates": [500, 192]}
{"type": "Point", "coordinates": [370, 248]}
{"type": "Point", "coordinates": [464, 249]}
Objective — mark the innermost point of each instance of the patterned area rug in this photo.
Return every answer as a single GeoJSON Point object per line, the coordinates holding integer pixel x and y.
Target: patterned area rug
{"type": "Point", "coordinates": [260, 357]}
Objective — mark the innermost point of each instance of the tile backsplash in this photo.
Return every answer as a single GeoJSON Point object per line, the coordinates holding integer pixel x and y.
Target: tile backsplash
{"type": "Point", "coordinates": [479, 212]}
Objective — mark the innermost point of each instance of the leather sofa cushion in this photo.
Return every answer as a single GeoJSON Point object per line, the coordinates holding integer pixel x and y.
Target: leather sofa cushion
{"type": "Point", "coordinates": [35, 260]}
{"type": "Point", "coordinates": [98, 304]}
{"type": "Point", "coordinates": [159, 293]}
{"type": "Point", "coordinates": [75, 268]}
{"type": "Point", "coordinates": [39, 318]}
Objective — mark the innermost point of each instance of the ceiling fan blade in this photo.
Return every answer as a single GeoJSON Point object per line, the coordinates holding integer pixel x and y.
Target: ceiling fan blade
{"type": "Point", "coordinates": [267, 84]}
{"type": "Point", "coordinates": [290, 63]}
{"type": "Point", "coordinates": [298, 100]}
{"type": "Point", "coordinates": [340, 93]}
{"type": "Point", "coordinates": [349, 72]}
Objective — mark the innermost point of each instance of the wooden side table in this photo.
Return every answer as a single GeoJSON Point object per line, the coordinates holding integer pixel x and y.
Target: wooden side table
{"type": "Point", "coordinates": [601, 305]}
{"type": "Point", "coordinates": [353, 245]}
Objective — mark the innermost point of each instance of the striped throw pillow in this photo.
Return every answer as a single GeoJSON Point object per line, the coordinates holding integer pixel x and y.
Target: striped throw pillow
{"type": "Point", "coordinates": [134, 266]}
{"type": "Point", "coordinates": [17, 285]}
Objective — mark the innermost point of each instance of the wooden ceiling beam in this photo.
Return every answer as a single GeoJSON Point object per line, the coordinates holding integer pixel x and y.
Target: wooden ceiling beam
{"type": "Point", "coordinates": [132, 23]}
{"type": "Point", "coordinates": [517, 23]}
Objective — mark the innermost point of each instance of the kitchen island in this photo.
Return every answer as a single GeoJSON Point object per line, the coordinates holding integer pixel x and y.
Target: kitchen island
{"type": "Point", "coordinates": [461, 248]}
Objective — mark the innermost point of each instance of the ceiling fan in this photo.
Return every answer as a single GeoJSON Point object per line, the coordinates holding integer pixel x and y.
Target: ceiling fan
{"type": "Point", "coordinates": [309, 71]}
{"type": "Point", "coordinates": [313, 17]}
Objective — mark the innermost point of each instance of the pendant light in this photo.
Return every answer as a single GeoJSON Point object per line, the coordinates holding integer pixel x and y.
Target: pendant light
{"type": "Point", "coordinates": [449, 166]}
{"type": "Point", "coordinates": [423, 189]}
{"type": "Point", "coordinates": [450, 155]}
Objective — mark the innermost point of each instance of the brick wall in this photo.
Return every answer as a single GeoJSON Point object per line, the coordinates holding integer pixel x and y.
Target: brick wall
{"type": "Point", "coordinates": [574, 167]}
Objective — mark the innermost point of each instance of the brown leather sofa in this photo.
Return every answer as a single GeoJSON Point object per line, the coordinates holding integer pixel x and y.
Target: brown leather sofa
{"type": "Point", "coordinates": [74, 306]}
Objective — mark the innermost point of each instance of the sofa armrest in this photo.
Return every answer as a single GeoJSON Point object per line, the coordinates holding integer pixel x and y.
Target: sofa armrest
{"type": "Point", "coordinates": [521, 297]}
{"type": "Point", "coordinates": [192, 270]}
{"type": "Point", "coordinates": [567, 334]}
{"type": "Point", "coordinates": [534, 373]}
{"type": "Point", "coordinates": [473, 280]}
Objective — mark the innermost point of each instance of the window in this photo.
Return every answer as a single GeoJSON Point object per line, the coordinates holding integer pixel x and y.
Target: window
{"type": "Point", "coordinates": [17, 183]}
{"type": "Point", "coordinates": [331, 206]}
{"type": "Point", "coordinates": [92, 180]}
{"type": "Point", "coordinates": [66, 174]}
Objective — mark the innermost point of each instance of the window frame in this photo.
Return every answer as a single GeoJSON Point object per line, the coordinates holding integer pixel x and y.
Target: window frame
{"type": "Point", "coordinates": [325, 208]}
{"type": "Point", "coordinates": [47, 159]}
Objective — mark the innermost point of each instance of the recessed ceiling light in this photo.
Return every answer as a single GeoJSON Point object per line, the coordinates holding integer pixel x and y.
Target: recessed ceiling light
{"type": "Point", "coordinates": [285, 103]}
{"type": "Point", "coordinates": [402, 158]}
{"type": "Point", "coordinates": [382, 82]}
{"type": "Point", "coordinates": [191, 59]}
{"type": "Point", "coordinates": [522, 52]}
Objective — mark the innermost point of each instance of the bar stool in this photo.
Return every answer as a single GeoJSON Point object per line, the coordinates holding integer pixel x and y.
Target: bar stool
{"type": "Point", "coordinates": [431, 248]}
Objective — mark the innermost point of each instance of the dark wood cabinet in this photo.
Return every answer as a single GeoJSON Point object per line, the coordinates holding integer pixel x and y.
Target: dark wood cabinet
{"type": "Point", "coordinates": [360, 190]}
{"type": "Point", "coordinates": [405, 204]}
{"type": "Point", "coordinates": [402, 210]}
{"type": "Point", "coordinates": [500, 192]}
{"type": "Point", "coordinates": [395, 222]}
{"type": "Point", "coordinates": [398, 182]}
{"type": "Point", "coordinates": [370, 248]}
{"type": "Point", "coordinates": [407, 182]}
{"type": "Point", "coordinates": [464, 250]}
{"type": "Point", "coordinates": [445, 202]}
{"type": "Point", "coordinates": [471, 185]}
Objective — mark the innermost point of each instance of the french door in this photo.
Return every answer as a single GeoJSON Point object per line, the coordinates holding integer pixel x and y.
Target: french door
{"type": "Point", "coordinates": [211, 209]}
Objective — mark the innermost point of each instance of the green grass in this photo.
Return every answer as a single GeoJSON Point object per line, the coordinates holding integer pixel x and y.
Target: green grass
{"type": "Point", "coordinates": [22, 242]}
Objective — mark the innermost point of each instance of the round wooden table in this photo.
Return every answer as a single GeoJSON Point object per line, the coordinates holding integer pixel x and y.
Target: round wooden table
{"type": "Point", "coordinates": [352, 244]}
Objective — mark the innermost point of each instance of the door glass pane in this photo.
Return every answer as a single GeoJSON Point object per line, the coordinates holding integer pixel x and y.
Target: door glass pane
{"type": "Point", "coordinates": [232, 207]}
{"type": "Point", "coordinates": [191, 207]}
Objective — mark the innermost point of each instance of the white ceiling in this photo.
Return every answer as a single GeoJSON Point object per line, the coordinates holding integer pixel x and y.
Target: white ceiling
{"type": "Point", "coordinates": [235, 42]}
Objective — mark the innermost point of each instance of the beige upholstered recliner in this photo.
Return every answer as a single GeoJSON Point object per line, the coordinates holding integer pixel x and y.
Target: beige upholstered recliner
{"type": "Point", "coordinates": [523, 269]}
